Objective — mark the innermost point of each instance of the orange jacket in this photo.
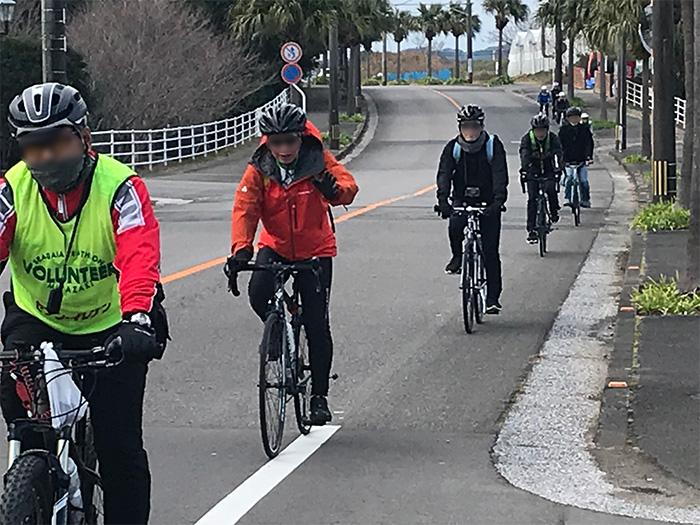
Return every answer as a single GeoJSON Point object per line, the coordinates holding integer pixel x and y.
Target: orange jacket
{"type": "Point", "coordinates": [295, 217]}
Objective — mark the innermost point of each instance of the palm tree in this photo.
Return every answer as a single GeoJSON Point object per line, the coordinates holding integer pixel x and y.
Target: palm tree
{"type": "Point", "coordinates": [457, 23]}
{"type": "Point", "coordinates": [685, 180]}
{"type": "Point", "coordinates": [404, 23]}
{"type": "Point", "coordinates": [432, 24]}
{"type": "Point", "coordinates": [549, 14]}
{"type": "Point", "coordinates": [504, 11]}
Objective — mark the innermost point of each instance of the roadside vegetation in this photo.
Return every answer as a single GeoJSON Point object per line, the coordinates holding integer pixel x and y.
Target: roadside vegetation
{"type": "Point", "coordinates": [661, 216]}
{"type": "Point", "coordinates": [663, 297]}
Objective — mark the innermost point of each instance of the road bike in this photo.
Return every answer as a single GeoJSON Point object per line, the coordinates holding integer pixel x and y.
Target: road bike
{"type": "Point", "coordinates": [543, 218]}
{"type": "Point", "coordinates": [285, 372]}
{"type": "Point", "coordinates": [573, 174]}
{"type": "Point", "coordinates": [52, 475]}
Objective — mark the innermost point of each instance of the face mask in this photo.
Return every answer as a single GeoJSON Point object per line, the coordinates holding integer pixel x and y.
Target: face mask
{"type": "Point", "coordinates": [59, 176]}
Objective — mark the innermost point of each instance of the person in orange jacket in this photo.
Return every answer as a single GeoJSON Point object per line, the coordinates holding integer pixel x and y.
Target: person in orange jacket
{"type": "Point", "coordinates": [289, 185]}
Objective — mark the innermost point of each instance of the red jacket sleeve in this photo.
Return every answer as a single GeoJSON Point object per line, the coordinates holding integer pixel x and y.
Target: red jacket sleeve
{"type": "Point", "coordinates": [137, 235]}
{"type": "Point", "coordinates": [8, 221]}
{"type": "Point", "coordinates": [247, 209]}
{"type": "Point", "coordinates": [347, 187]}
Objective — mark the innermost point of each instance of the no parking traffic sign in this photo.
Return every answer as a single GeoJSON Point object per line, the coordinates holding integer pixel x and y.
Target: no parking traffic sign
{"type": "Point", "coordinates": [291, 73]}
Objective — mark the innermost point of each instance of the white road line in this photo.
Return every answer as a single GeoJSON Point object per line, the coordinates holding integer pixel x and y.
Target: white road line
{"type": "Point", "coordinates": [237, 504]}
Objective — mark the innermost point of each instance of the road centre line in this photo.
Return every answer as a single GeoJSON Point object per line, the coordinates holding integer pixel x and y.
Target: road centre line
{"type": "Point", "coordinates": [347, 216]}
{"type": "Point", "coordinates": [244, 497]}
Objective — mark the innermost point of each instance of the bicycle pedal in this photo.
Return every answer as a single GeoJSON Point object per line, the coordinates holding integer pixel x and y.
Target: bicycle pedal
{"type": "Point", "coordinates": [334, 377]}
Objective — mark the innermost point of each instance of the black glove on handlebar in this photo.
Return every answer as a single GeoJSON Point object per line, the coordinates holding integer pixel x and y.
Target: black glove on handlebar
{"type": "Point", "coordinates": [492, 209]}
{"type": "Point", "coordinates": [327, 184]}
{"type": "Point", "coordinates": [138, 343]}
{"type": "Point", "coordinates": [444, 209]}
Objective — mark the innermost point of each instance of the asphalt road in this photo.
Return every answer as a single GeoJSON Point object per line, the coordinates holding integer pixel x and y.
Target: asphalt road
{"type": "Point", "coordinates": [420, 400]}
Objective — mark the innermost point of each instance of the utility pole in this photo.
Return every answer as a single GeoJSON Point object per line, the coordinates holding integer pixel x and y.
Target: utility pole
{"type": "Point", "coordinates": [663, 116]}
{"type": "Point", "coordinates": [53, 29]}
{"type": "Point", "coordinates": [384, 71]}
{"type": "Point", "coordinates": [558, 52]}
{"type": "Point", "coordinates": [333, 122]}
{"type": "Point", "coordinates": [621, 129]}
{"type": "Point", "coordinates": [470, 60]}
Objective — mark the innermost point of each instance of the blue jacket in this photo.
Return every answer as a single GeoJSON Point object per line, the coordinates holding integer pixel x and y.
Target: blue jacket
{"type": "Point", "coordinates": [544, 98]}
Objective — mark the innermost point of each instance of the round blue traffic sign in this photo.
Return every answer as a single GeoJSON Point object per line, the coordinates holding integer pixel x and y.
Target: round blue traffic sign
{"type": "Point", "coordinates": [291, 73]}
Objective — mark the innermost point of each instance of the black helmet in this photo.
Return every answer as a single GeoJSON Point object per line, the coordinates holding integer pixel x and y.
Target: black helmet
{"type": "Point", "coordinates": [470, 113]}
{"type": "Point", "coordinates": [573, 111]}
{"type": "Point", "coordinates": [47, 107]}
{"type": "Point", "coordinates": [539, 121]}
{"type": "Point", "coordinates": [287, 118]}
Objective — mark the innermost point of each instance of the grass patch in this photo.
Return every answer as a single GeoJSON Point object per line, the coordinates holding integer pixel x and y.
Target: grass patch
{"type": "Point", "coordinates": [344, 138]}
{"type": "Point", "coordinates": [647, 175]}
{"type": "Point", "coordinates": [321, 81]}
{"type": "Point", "coordinates": [578, 102]}
{"type": "Point", "coordinates": [502, 80]}
{"type": "Point", "coordinates": [542, 78]}
{"type": "Point", "coordinates": [663, 297]}
{"type": "Point", "coordinates": [603, 124]}
{"type": "Point", "coordinates": [429, 81]}
{"type": "Point", "coordinates": [398, 82]}
{"type": "Point", "coordinates": [371, 81]}
{"type": "Point", "coordinates": [635, 158]}
{"type": "Point", "coordinates": [456, 82]}
{"type": "Point", "coordinates": [661, 216]}
{"type": "Point", "coordinates": [357, 117]}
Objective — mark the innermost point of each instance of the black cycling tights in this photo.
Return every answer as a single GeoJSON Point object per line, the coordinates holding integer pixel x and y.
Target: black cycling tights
{"type": "Point", "coordinates": [314, 314]}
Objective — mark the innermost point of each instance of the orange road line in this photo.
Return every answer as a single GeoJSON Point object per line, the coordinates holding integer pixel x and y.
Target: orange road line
{"type": "Point", "coordinates": [345, 217]}
{"type": "Point", "coordinates": [454, 102]}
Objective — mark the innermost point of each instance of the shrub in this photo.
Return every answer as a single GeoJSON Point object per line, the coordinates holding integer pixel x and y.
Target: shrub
{"type": "Point", "coordinates": [344, 138]}
{"type": "Point", "coordinates": [502, 80]}
{"type": "Point", "coordinates": [321, 81]}
{"type": "Point", "coordinates": [456, 81]}
{"type": "Point", "coordinates": [661, 216]}
{"type": "Point", "coordinates": [398, 82]}
{"type": "Point", "coordinates": [578, 102]}
{"type": "Point", "coordinates": [662, 297]}
{"type": "Point", "coordinates": [371, 82]}
{"type": "Point", "coordinates": [603, 124]}
{"type": "Point", "coordinates": [647, 175]}
{"type": "Point", "coordinates": [636, 158]}
{"type": "Point", "coordinates": [429, 81]}
{"type": "Point", "coordinates": [357, 117]}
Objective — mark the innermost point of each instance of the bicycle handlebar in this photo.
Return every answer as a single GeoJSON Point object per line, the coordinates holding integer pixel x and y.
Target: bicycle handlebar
{"type": "Point", "coordinates": [313, 265]}
{"type": "Point", "coordinates": [469, 209]}
{"type": "Point", "coordinates": [96, 356]}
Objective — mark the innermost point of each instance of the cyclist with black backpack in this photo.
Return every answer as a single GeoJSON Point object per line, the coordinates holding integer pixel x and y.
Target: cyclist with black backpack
{"type": "Point", "coordinates": [472, 171]}
{"type": "Point", "coordinates": [541, 157]}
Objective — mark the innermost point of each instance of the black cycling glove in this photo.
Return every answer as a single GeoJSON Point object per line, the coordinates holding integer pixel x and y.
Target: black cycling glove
{"type": "Point", "coordinates": [138, 342]}
{"type": "Point", "coordinates": [327, 184]}
{"type": "Point", "coordinates": [445, 209]}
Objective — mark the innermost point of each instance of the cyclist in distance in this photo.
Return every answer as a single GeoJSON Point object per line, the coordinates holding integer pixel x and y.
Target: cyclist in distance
{"type": "Point", "coordinates": [83, 247]}
{"type": "Point", "coordinates": [577, 141]}
{"type": "Point", "coordinates": [544, 99]}
{"type": "Point", "coordinates": [473, 170]}
{"type": "Point", "coordinates": [561, 104]}
{"type": "Point", "coordinates": [556, 89]}
{"type": "Point", "coordinates": [289, 185]}
{"type": "Point", "coordinates": [540, 156]}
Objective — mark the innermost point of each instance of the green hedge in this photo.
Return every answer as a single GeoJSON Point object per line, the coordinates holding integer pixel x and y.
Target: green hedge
{"type": "Point", "coordinates": [661, 216]}
{"type": "Point", "coordinates": [662, 297]}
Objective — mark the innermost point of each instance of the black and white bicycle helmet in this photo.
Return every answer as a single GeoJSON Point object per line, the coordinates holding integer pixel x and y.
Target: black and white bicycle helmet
{"type": "Point", "coordinates": [539, 121]}
{"type": "Point", "coordinates": [573, 111]}
{"type": "Point", "coordinates": [285, 119]}
{"type": "Point", "coordinates": [471, 113]}
{"type": "Point", "coordinates": [45, 107]}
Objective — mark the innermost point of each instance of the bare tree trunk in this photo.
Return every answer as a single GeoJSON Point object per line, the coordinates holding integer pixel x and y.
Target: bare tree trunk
{"type": "Point", "coordinates": [398, 61]}
{"type": "Point", "coordinates": [646, 110]}
{"type": "Point", "coordinates": [352, 83]}
{"type": "Point", "coordinates": [430, 57]}
{"type": "Point", "coordinates": [558, 52]}
{"type": "Point", "coordinates": [456, 56]}
{"type": "Point", "coordinates": [602, 88]}
{"type": "Point", "coordinates": [570, 86]}
{"type": "Point", "coordinates": [500, 52]}
{"type": "Point", "coordinates": [369, 59]}
{"type": "Point", "coordinates": [686, 175]}
{"type": "Point", "coordinates": [693, 248]}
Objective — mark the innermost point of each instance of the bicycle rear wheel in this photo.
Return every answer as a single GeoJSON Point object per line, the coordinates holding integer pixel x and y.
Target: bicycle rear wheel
{"type": "Point", "coordinates": [302, 398]}
{"type": "Point", "coordinates": [480, 290]}
{"type": "Point", "coordinates": [272, 388]}
{"type": "Point", "coordinates": [576, 205]}
{"type": "Point", "coordinates": [467, 291]}
{"type": "Point", "coordinates": [28, 496]}
{"type": "Point", "coordinates": [542, 238]}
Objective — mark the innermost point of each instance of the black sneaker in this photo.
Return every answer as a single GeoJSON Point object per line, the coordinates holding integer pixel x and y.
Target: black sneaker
{"type": "Point", "coordinates": [532, 237]}
{"type": "Point", "coordinates": [454, 266]}
{"type": "Point", "coordinates": [320, 414]}
{"type": "Point", "coordinates": [555, 217]}
{"type": "Point", "coordinates": [493, 308]}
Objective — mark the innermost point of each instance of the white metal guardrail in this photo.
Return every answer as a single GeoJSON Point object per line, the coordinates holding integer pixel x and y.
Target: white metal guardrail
{"type": "Point", "coordinates": [634, 97]}
{"type": "Point", "coordinates": [151, 147]}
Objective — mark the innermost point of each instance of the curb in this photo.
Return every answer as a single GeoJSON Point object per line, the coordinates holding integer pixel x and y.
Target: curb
{"type": "Point", "coordinates": [545, 444]}
{"type": "Point", "coordinates": [370, 116]}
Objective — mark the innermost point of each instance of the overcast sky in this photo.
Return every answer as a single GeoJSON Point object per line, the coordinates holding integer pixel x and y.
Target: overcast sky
{"type": "Point", "coordinates": [481, 40]}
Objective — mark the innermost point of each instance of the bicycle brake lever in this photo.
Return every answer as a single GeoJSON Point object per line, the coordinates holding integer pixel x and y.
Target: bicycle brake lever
{"type": "Point", "coordinates": [233, 285]}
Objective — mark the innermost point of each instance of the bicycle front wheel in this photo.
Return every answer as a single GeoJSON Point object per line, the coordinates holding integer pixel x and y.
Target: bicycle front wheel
{"type": "Point", "coordinates": [480, 290]}
{"type": "Point", "coordinates": [467, 291]}
{"type": "Point", "coordinates": [576, 205]}
{"type": "Point", "coordinates": [272, 388]}
{"type": "Point", "coordinates": [90, 482]}
{"type": "Point", "coordinates": [302, 397]}
{"type": "Point", "coordinates": [28, 496]}
{"type": "Point", "coordinates": [542, 238]}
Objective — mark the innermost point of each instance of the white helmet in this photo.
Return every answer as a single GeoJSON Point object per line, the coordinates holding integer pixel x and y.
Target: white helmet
{"type": "Point", "coordinates": [543, 88]}
{"type": "Point", "coordinates": [555, 84]}
{"type": "Point", "coordinates": [585, 116]}
{"type": "Point", "coordinates": [562, 95]}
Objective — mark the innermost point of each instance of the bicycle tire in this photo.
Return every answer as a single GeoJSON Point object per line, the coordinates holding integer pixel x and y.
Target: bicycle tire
{"type": "Point", "coordinates": [576, 205]}
{"type": "Point", "coordinates": [272, 386]}
{"type": "Point", "coordinates": [28, 495]}
{"type": "Point", "coordinates": [467, 291]}
{"type": "Point", "coordinates": [542, 238]}
{"type": "Point", "coordinates": [90, 483]}
{"type": "Point", "coordinates": [302, 397]}
{"type": "Point", "coordinates": [480, 295]}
